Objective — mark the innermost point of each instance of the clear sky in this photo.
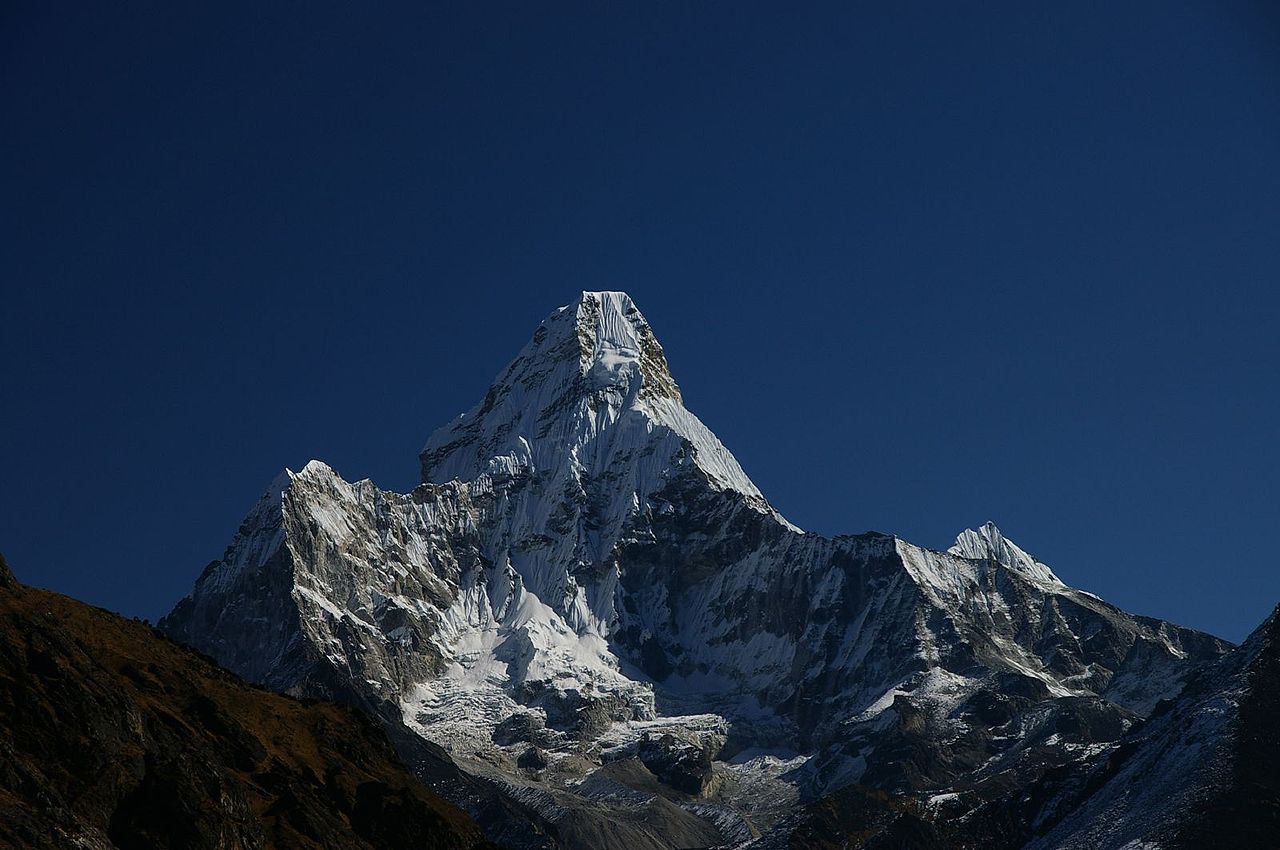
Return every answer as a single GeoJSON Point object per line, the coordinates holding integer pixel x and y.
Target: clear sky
{"type": "Point", "coordinates": [919, 267]}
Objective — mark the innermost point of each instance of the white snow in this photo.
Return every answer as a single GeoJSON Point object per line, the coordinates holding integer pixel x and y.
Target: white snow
{"type": "Point", "coordinates": [987, 542]}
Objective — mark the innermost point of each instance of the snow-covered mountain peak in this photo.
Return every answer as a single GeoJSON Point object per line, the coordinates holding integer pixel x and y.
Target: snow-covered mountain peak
{"type": "Point", "coordinates": [312, 467]}
{"type": "Point", "coordinates": [618, 348]}
{"type": "Point", "coordinates": [316, 467]}
{"type": "Point", "coordinates": [988, 543]}
{"type": "Point", "coordinates": [590, 394]}
{"type": "Point", "coordinates": [313, 470]}
{"type": "Point", "coordinates": [586, 571]}
{"type": "Point", "coordinates": [572, 448]}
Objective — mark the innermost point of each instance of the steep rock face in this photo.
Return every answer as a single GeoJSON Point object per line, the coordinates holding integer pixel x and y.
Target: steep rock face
{"type": "Point", "coordinates": [114, 737]}
{"type": "Point", "coordinates": [320, 567]}
{"type": "Point", "coordinates": [585, 564]}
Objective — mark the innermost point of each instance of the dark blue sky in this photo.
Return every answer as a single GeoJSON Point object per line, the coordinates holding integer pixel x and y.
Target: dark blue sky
{"type": "Point", "coordinates": [918, 268]}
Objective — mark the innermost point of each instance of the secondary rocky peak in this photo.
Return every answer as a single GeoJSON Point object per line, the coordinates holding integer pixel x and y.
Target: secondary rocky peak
{"type": "Point", "coordinates": [1264, 640]}
{"type": "Point", "coordinates": [310, 469]}
{"type": "Point", "coordinates": [988, 543]}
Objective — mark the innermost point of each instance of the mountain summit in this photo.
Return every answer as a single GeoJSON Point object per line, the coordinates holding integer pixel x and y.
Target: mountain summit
{"type": "Point", "coordinates": [588, 603]}
{"type": "Point", "coordinates": [591, 393]}
{"type": "Point", "coordinates": [586, 363]}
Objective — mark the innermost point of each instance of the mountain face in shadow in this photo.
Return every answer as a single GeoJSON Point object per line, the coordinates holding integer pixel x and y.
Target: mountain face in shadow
{"type": "Point", "coordinates": [112, 736]}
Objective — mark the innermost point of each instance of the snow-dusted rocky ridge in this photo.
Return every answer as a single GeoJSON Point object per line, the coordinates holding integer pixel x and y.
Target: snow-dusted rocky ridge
{"type": "Point", "coordinates": [590, 603]}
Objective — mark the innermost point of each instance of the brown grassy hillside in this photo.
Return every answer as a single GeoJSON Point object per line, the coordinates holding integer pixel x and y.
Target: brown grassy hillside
{"type": "Point", "coordinates": [112, 736]}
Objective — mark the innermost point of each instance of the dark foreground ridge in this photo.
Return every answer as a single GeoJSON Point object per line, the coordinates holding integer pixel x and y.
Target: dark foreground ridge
{"type": "Point", "coordinates": [112, 736]}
